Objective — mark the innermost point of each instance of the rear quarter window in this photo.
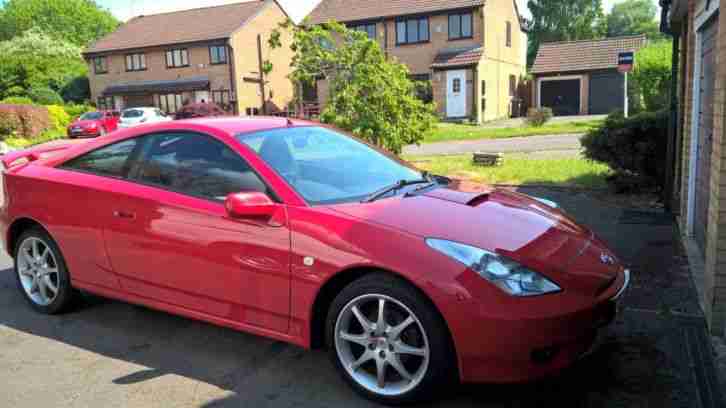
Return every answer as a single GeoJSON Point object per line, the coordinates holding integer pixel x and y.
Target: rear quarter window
{"type": "Point", "coordinates": [111, 161]}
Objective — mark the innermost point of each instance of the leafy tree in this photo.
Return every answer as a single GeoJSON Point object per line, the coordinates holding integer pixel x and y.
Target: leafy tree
{"type": "Point", "coordinates": [76, 21]}
{"type": "Point", "coordinates": [563, 20]}
{"type": "Point", "coordinates": [45, 96]}
{"type": "Point", "coordinates": [369, 95]}
{"type": "Point", "coordinates": [633, 17]}
{"type": "Point", "coordinates": [651, 77]}
{"type": "Point", "coordinates": [35, 60]}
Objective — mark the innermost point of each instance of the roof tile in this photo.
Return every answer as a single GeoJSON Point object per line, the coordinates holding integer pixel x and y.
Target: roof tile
{"type": "Point", "coordinates": [356, 10]}
{"type": "Point", "coordinates": [458, 57]}
{"type": "Point", "coordinates": [201, 24]}
{"type": "Point", "coordinates": [584, 55]}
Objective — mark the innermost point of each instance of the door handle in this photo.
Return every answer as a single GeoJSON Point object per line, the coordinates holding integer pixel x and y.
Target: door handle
{"type": "Point", "coordinates": [125, 215]}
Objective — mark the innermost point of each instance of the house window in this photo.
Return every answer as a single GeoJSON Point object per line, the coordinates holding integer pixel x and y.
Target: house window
{"type": "Point", "coordinates": [136, 62]}
{"type": "Point", "coordinates": [509, 33]}
{"type": "Point", "coordinates": [100, 65]}
{"type": "Point", "coordinates": [170, 103]}
{"type": "Point", "coordinates": [460, 26]}
{"type": "Point", "coordinates": [222, 98]}
{"type": "Point", "coordinates": [512, 85]}
{"type": "Point", "coordinates": [177, 58]}
{"type": "Point", "coordinates": [457, 85]}
{"type": "Point", "coordinates": [218, 54]}
{"type": "Point", "coordinates": [412, 31]}
{"type": "Point", "coordinates": [483, 96]}
{"type": "Point", "coordinates": [104, 103]}
{"type": "Point", "coordinates": [369, 29]}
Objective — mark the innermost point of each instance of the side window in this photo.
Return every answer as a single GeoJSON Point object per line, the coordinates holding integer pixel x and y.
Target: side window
{"type": "Point", "coordinates": [196, 165]}
{"type": "Point", "coordinates": [112, 161]}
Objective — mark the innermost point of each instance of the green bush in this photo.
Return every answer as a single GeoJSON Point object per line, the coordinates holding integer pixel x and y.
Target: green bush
{"type": "Point", "coordinates": [537, 117]}
{"type": "Point", "coordinates": [649, 84]}
{"type": "Point", "coordinates": [635, 148]}
{"type": "Point", "coordinates": [59, 118]}
{"type": "Point", "coordinates": [21, 142]}
{"type": "Point", "coordinates": [45, 96]}
{"type": "Point", "coordinates": [17, 100]}
{"type": "Point", "coordinates": [74, 111]}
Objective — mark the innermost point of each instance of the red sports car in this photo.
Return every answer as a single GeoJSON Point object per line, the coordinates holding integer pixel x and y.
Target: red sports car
{"type": "Point", "coordinates": [94, 124]}
{"type": "Point", "coordinates": [298, 232]}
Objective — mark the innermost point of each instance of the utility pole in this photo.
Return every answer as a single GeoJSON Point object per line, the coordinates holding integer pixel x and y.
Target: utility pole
{"type": "Point", "coordinates": [263, 108]}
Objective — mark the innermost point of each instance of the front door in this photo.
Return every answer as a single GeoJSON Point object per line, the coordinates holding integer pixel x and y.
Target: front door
{"type": "Point", "coordinates": [172, 240]}
{"type": "Point", "coordinates": [456, 94]}
{"type": "Point", "coordinates": [705, 133]}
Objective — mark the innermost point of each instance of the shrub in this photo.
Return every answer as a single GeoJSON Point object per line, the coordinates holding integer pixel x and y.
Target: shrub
{"type": "Point", "coordinates": [17, 100]}
{"type": "Point", "coordinates": [537, 117]}
{"type": "Point", "coordinates": [23, 120]}
{"type": "Point", "coordinates": [74, 111]}
{"type": "Point", "coordinates": [45, 96]}
{"type": "Point", "coordinates": [635, 148]}
{"type": "Point", "coordinates": [649, 84]}
{"type": "Point", "coordinates": [59, 118]}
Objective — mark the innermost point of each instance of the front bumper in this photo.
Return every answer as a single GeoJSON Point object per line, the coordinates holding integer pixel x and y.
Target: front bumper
{"type": "Point", "coordinates": [509, 349]}
{"type": "Point", "coordinates": [83, 133]}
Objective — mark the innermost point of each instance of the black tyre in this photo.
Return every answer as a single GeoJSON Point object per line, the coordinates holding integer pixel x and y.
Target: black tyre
{"type": "Point", "coordinates": [41, 273]}
{"type": "Point", "coordinates": [389, 342]}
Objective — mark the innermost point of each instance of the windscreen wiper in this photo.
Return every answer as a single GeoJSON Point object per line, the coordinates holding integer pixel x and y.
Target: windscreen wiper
{"type": "Point", "coordinates": [395, 187]}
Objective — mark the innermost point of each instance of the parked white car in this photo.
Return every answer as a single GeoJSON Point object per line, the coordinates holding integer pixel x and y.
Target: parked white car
{"type": "Point", "coordinates": [138, 116]}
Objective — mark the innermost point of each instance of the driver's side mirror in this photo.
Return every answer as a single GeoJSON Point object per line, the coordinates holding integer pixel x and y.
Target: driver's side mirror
{"type": "Point", "coordinates": [249, 204]}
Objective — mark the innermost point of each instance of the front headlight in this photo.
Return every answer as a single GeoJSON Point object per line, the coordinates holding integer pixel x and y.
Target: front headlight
{"type": "Point", "coordinates": [504, 273]}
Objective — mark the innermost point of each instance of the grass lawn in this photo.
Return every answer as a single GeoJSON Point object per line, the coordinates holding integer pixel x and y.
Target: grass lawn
{"type": "Point", "coordinates": [452, 131]}
{"type": "Point", "coordinates": [520, 169]}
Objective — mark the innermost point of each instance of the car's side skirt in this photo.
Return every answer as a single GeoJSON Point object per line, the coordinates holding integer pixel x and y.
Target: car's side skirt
{"type": "Point", "coordinates": [178, 310]}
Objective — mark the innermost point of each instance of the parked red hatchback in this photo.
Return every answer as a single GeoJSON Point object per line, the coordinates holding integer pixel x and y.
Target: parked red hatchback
{"type": "Point", "coordinates": [300, 233]}
{"type": "Point", "coordinates": [94, 124]}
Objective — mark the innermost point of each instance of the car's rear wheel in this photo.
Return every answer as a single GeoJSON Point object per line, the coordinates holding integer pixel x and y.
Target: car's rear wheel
{"type": "Point", "coordinates": [388, 341]}
{"type": "Point", "coordinates": [102, 132]}
{"type": "Point", "coordinates": [41, 272]}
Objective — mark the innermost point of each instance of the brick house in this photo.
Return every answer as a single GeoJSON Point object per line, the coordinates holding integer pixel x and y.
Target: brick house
{"type": "Point", "coordinates": [474, 52]}
{"type": "Point", "coordinates": [697, 146]}
{"type": "Point", "coordinates": [205, 54]}
{"type": "Point", "coordinates": [581, 77]}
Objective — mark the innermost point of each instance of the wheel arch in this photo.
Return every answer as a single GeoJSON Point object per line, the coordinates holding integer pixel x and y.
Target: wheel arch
{"type": "Point", "coordinates": [340, 280]}
{"type": "Point", "coordinates": [17, 227]}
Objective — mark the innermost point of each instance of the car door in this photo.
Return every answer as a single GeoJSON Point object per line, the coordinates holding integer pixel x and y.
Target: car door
{"type": "Point", "coordinates": [79, 194]}
{"type": "Point", "coordinates": [172, 240]}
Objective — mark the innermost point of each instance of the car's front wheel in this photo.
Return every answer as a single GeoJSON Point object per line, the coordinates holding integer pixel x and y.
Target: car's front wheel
{"type": "Point", "coordinates": [389, 342]}
{"type": "Point", "coordinates": [41, 272]}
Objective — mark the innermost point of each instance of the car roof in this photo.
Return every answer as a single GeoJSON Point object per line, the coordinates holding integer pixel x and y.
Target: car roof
{"type": "Point", "coordinates": [237, 125]}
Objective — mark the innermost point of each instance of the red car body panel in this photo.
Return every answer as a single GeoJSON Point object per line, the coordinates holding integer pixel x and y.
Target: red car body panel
{"type": "Point", "coordinates": [188, 256]}
{"type": "Point", "coordinates": [92, 128]}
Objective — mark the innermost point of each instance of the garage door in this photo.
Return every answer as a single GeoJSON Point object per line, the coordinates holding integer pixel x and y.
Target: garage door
{"type": "Point", "coordinates": [705, 133]}
{"type": "Point", "coordinates": [563, 96]}
{"type": "Point", "coordinates": [607, 92]}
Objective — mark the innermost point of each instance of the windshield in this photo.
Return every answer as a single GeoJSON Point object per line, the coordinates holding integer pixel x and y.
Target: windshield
{"type": "Point", "coordinates": [92, 116]}
{"type": "Point", "coordinates": [132, 113]}
{"type": "Point", "coordinates": [327, 167]}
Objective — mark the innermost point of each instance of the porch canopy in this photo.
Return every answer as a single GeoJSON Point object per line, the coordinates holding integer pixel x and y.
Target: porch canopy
{"type": "Point", "coordinates": [200, 83]}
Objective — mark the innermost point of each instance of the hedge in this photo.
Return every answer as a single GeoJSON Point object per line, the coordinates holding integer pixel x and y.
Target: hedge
{"type": "Point", "coordinates": [28, 121]}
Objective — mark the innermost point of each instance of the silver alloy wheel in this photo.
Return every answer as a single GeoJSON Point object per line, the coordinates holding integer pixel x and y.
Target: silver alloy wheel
{"type": "Point", "coordinates": [38, 271]}
{"type": "Point", "coordinates": [366, 348]}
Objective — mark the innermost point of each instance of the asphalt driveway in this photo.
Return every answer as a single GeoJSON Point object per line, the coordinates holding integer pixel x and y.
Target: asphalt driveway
{"type": "Point", "coordinates": [109, 354]}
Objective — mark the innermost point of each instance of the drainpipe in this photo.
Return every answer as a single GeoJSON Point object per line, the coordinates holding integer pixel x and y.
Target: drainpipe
{"type": "Point", "coordinates": [671, 147]}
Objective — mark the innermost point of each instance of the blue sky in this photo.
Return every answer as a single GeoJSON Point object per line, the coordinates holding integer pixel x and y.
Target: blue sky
{"type": "Point", "coordinates": [125, 9]}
